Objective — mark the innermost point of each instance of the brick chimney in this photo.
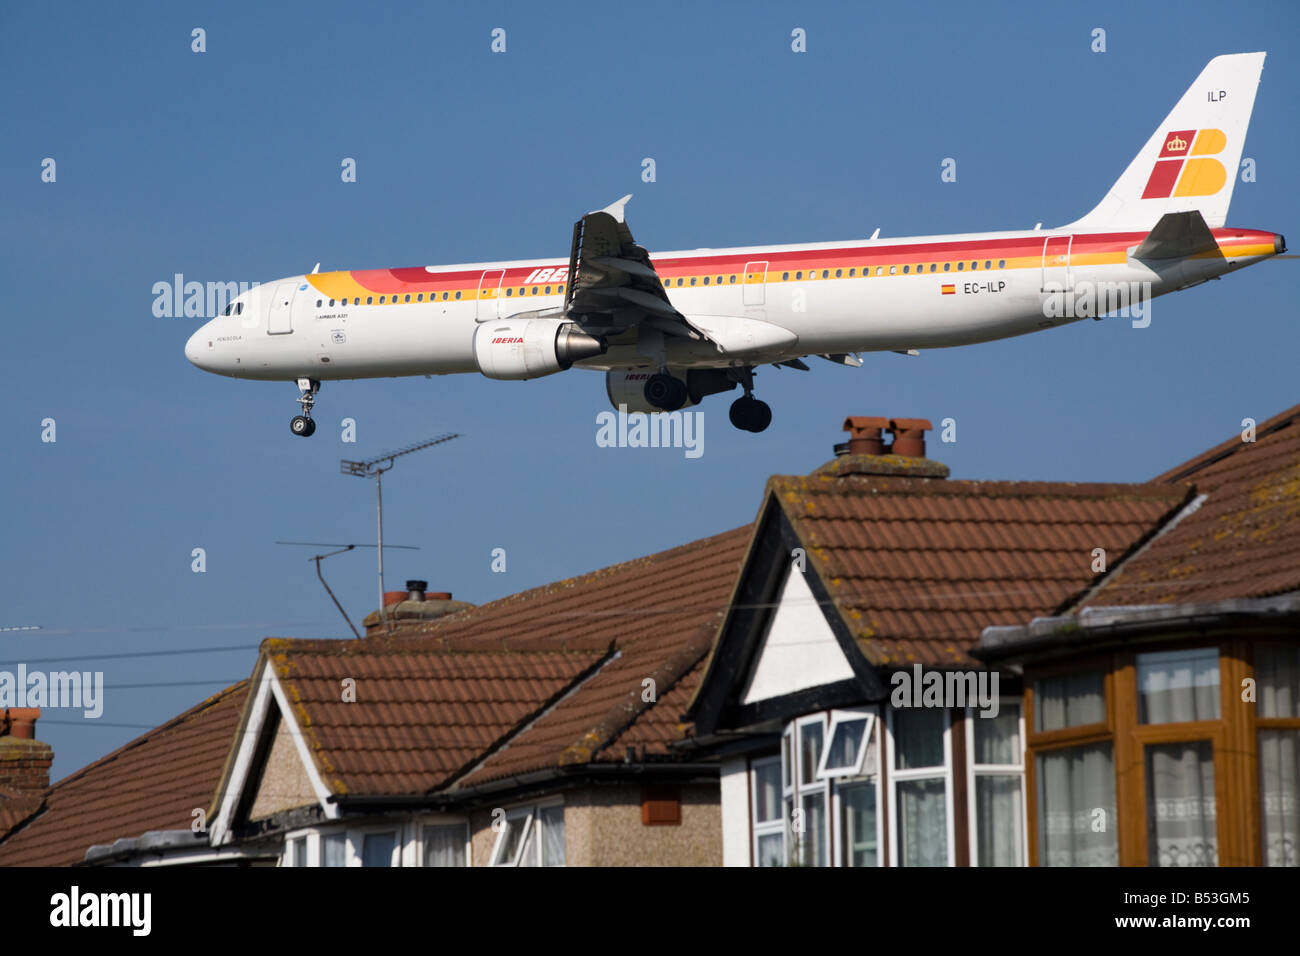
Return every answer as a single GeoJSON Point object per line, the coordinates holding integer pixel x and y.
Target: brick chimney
{"type": "Point", "coordinates": [24, 765]}
{"type": "Point", "coordinates": [414, 606]}
{"type": "Point", "coordinates": [865, 453]}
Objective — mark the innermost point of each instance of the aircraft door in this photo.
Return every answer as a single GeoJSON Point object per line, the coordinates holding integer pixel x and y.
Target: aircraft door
{"type": "Point", "coordinates": [755, 279]}
{"type": "Point", "coordinates": [489, 295]}
{"type": "Point", "coordinates": [280, 318]}
{"type": "Point", "coordinates": [1057, 274]}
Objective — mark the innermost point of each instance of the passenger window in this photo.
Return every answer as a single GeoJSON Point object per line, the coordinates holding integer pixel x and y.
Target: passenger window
{"type": "Point", "coordinates": [961, 266]}
{"type": "Point", "coordinates": [851, 272]}
{"type": "Point", "coordinates": [331, 303]}
{"type": "Point", "coordinates": [893, 270]}
{"type": "Point", "coordinates": [521, 291]}
{"type": "Point", "coordinates": [799, 274]}
{"type": "Point", "coordinates": [974, 265]}
{"type": "Point", "coordinates": [318, 302]}
{"type": "Point", "coordinates": [826, 273]}
{"type": "Point", "coordinates": [933, 266]}
{"type": "Point", "coordinates": [785, 277]}
{"type": "Point", "coordinates": [947, 267]}
{"type": "Point", "coordinates": [548, 290]}
{"type": "Point", "coordinates": [407, 297]}
{"type": "Point", "coordinates": [838, 273]}
{"type": "Point", "coordinates": [666, 281]}
{"type": "Point", "coordinates": [444, 295]}
{"type": "Point", "coordinates": [988, 264]}
{"type": "Point", "coordinates": [239, 309]}
{"type": "Point", "coordinates": [706, 280]}
{"type": "Point", "coordinates": [560, 288]}
{"type": "Point", "coordinates": [733, 280]}
{"type": "Point", "coordinates": [1002, 263]}
{"type": "Point", "coordinates": [719, 280]}
{"type": "Point", "coordinates": [510, 291]}
{"type": "Point", "coordinates": [692, 280]}
{"type": "Point", "coordinates": [906, 269]}
{"type": "Point", "coordinates": [880, 270]}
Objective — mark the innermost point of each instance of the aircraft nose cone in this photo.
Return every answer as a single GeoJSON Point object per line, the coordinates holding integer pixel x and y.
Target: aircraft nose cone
{"type": "Point", "coordinates": [195, 348]}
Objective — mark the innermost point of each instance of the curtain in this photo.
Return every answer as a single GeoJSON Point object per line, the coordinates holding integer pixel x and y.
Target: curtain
{"type": "Point", "coordinates": [552, 836]}
{"type": "Point", "coordinates": [923, 823]}
{"type": "Point", "coordinates": [1076, 807]}
{"type": "Point", "coordinates": [998, 819]}
{"type": "Point", "coordinates": [858, 824]}
{"type": "Point", "coordinates": [1279, 792]}
{"type": "Point", "coordinates": [1071, 700]}
{"type": "Point", "coordinates": [1182, 828]}
{"type": "Point", "coordinates": [1277, 669]}
{"type": "Point", "coordinates": [444, 845]}
{"type": "Point", "coordinates": [997, 739]}
{"type": "Point", "coordinates": [1178, 686]}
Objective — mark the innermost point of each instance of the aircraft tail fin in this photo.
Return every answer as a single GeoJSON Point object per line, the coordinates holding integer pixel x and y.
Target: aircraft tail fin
{"type": "Point", "coordinates": [1191, 160]}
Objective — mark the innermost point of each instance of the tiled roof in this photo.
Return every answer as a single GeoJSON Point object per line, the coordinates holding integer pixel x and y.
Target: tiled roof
{"type": "Point", "coordinates": [437, 698]}
{"type": "Point", "coordinates": [155, 782]}
{"type": "Point", "coordinates": [919, 567]}
{"type": "Point", "coordinates": [1243, 541]}
{"type": "Point", "coordinates": [422, 711]}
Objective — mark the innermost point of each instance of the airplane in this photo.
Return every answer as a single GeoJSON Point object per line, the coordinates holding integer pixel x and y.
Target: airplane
{"type": "Point", "coordinates": [672, 328]}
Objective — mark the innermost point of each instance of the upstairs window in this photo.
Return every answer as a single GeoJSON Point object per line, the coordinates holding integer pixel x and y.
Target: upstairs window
{"type": "Point", "coordinates": [996, 786]}
{"type": "Point", "coordinates": [445, 844]}
{"type": "Point", "coordinates": [920, 793]}
{"type": "Point", "coordinates": [533, 836]}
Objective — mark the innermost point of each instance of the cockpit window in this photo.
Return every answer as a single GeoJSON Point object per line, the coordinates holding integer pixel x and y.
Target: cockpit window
{"type": "Point", "coordinates": [239, 308]}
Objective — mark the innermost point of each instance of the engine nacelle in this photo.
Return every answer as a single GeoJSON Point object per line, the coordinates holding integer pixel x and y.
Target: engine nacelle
{"type": "Point", "coordinates": [627, 386]}
{"type": "Point", "coordinates": [530, 348]}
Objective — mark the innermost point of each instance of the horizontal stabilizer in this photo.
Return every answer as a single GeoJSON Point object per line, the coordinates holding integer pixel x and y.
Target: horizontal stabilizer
{"type": "Point", "coordinates": [1176, 236]}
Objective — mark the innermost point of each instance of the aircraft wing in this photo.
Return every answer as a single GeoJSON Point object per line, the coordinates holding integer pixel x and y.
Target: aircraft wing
{"type": "Point", "coordinates": [614, 287]}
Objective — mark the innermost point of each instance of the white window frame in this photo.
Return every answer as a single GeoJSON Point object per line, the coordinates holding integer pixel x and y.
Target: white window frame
{"type": "Point", "coordinates": [995, 770]}
{"type": "Point", "coordinates": [838, 717]}
{"type": "Point", "coordinates": [768, 827]}
{"type": "Point", "coordinates": [897, 776]}
{"type": "Point", "coordinates": [531, 812]}
{"type": "Point", "coordinates": [357, 842]}
{"type": "Point", "coordinates": [826, 784]}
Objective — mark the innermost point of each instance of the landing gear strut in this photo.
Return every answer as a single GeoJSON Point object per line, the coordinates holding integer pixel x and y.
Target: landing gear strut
{"type": "Point", "coordinates": [302, 425]}
{"type": "Point", "coordinates": [747, 412]}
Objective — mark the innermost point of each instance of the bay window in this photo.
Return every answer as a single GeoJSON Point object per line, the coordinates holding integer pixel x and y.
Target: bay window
{"type": "Point", "coordinates": [920, 792]}
{"type": "Point", "coordinates": [996, 788]}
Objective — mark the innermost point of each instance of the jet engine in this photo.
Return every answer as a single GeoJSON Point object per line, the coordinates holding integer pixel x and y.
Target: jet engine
{"type": "Point", "coordinates": [529, 348]}
{"type": "Point", "coordinates": [627, 386]}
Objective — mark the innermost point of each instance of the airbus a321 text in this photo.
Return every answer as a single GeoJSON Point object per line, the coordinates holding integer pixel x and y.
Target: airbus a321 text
{"type": "Point", "coordinates": [672, 328]}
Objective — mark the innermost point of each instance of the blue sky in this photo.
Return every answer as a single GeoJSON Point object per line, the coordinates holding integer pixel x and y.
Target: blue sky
{"type": "Point", "coordinates": [224, 166]}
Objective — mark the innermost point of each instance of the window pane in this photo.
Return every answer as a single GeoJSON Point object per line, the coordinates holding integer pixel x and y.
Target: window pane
{"type": "Point", "coordinates": [334, 849]}
{"type": "Point", "coordinates": [377, 849]}
{"type": "Point", "coordinates": [922, 823]}
{"type": "Point", "coordinates": [770, 851]}
{"type": "Point", "coordinates": [1181, 825]}
{"type": "Point", "coordinates": [787, 760]}
{"type": "Point", "coordinates": [1069, 701]}
{"type": "Point", "coordinates": [1177, 686]}
{"type": "Point", "coordinates": [1277, 673]}
{"type": "Point", "coordinates": [846, 743]}
{"type": "Point", "coordinates": [998, 820]}
{"type": "Point", "coordinates": [1076, 807]}
{"type": "Point", "coordinates": [918, 737]}
{"type": "Point", "coordinates": [858, 824]}
{"type": "Point", "coordinates": [552, 819]}
{"type": "Point", "coordinates": [298, 852]}
{"type": "Point", "coordinates": [1279, 794]}
{"type": "Point", "coordinates": [444, 845]}
{"type": "Point", "coordinates": [513, 837]}
{"type": "Point", "coordinates": [767, 791]}
{"type": "Point", "coordinates": [812, 842]}
{"type": "Point", "coordinates": [997, 739]}
{"type": "Point", "coordinates": [810, 751]}
{"type": "Point", "coordinates": [529, 855]}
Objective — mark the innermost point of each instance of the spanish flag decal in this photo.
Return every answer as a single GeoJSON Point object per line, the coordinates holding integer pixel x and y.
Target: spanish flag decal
{"type": "Point", "coordinates": [948, 289]}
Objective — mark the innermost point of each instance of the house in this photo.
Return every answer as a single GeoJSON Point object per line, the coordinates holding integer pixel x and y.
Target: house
{"type": "Point", "coordinates": [853, 725]}
{"type": "Point", "coordinates": [1165, 702]}
{"type": "Point", "coordinates": [889, 667]}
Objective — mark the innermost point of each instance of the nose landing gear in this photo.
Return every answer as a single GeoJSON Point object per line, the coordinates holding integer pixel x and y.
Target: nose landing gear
{"type": "Point", "coordinates": [302, 425]}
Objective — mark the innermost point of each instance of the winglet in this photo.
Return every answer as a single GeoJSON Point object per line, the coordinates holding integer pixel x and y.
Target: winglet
{"type": "Point", "coordinates": [615, 208]}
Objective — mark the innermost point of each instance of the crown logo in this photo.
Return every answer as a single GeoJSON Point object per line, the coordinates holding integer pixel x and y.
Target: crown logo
{"type": "Point", "coordinates": [1176, 145]}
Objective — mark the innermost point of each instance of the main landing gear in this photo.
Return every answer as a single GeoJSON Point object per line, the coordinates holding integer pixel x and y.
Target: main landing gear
{"type": "Point", "coordinates": [303, 425]}
{"type": "Point", "coordinates": [747, 412]}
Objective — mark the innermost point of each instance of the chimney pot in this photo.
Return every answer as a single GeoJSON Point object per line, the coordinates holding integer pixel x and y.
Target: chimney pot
{"type": "Point", "coordinates": [909, 436]}
{"type": "Point", "coordinates": [864, 434]}
{"type": "Point", "coordinates": [19, 722]}
{"type": "Point", "coordinates": [415, 590]}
